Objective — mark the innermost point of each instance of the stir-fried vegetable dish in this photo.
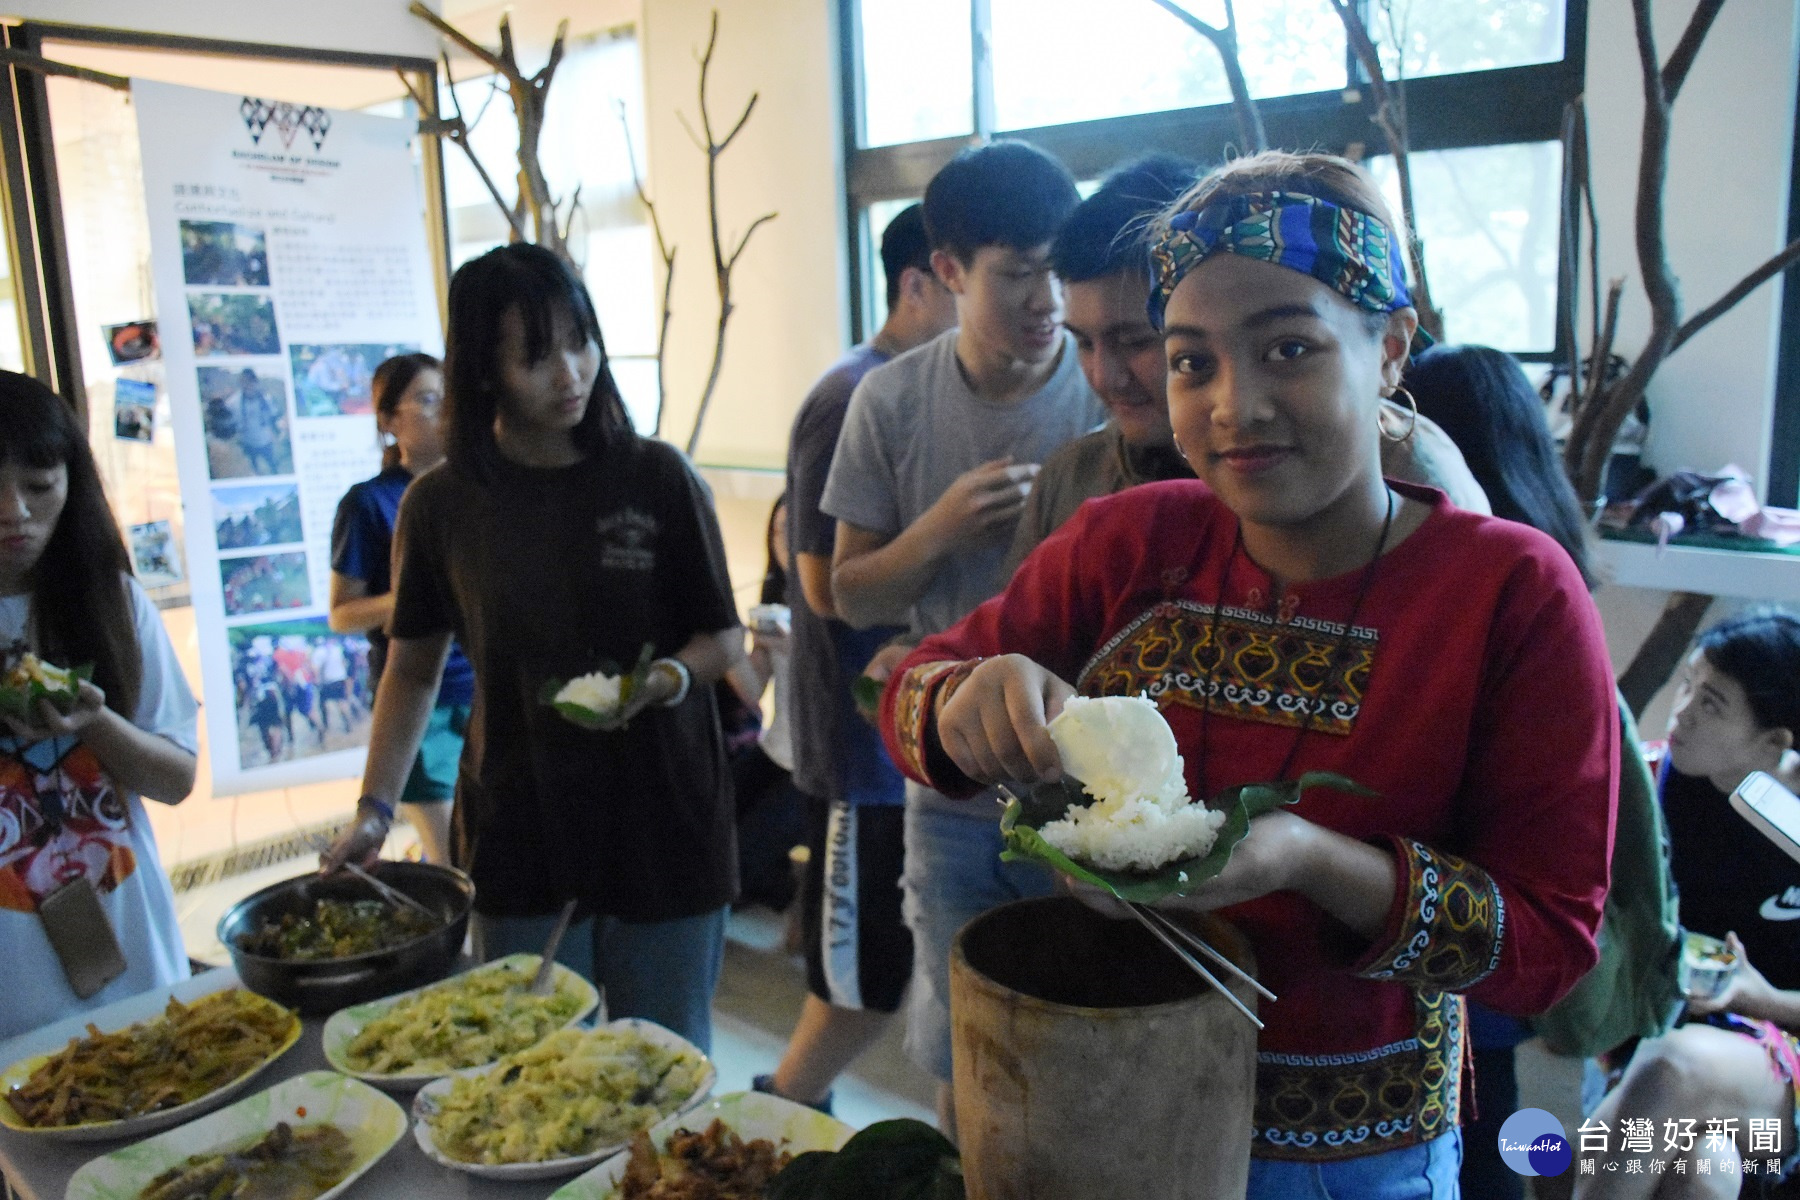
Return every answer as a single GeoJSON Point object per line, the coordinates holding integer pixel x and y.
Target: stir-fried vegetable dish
{"type": "Point", "coordinates": [336, 929]}
{"type": "Point", "coordinates": [286, 1164]}
{"type": "Point", "coordinates": [189, 1051]}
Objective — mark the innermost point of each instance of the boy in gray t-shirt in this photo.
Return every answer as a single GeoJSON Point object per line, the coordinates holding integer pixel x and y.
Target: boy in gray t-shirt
{"type": "Point", "coordinates": [937, 455]}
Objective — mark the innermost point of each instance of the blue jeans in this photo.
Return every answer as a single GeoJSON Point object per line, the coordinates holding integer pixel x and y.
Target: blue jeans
{"type": "Point", "coordinates": [661, 971]}
{"type": "Point", "coordinates": [952, 875]}
{"type": "Point", "coordinates": [1424, 1172]}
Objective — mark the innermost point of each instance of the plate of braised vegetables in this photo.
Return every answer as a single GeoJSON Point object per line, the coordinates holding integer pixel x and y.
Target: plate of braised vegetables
{"type": "Point", "coordinates": [306, 1138]}
{"type": "Point", "coordinates": [150, 1075]}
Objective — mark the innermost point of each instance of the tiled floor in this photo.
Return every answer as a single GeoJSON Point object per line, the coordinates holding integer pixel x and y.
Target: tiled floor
{"type": "Point", "coordinates": [759, 996]}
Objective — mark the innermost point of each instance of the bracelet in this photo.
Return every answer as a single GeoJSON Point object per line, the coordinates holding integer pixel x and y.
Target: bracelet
{"type": "Point", "coordinates": [684, 680]}
{"type": "Point", "coordinates": [379, 805]}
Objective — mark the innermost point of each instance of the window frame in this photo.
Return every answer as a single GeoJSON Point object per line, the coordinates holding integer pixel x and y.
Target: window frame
{"type": "Point", "coordinates": [32, 201]}
{"type": "Point", "coordinates": [1784, 432]}
{"type": "Point", "coordinates": [1503, 106]}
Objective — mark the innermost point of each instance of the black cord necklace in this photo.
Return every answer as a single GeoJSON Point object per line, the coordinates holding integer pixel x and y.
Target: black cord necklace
{"type": "Point", "coordinates": [1331, 660]}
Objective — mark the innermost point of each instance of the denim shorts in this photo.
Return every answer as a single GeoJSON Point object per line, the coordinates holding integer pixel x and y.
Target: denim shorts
{"type": "Point", "coordinates": [953, 874]}
{"type": "Point", "coordinates": [661, 971]}
{"type": "Point", "coordinates": [1427, 1171]}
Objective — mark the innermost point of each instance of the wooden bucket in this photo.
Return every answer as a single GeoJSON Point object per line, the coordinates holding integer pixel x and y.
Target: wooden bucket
{"type": "Point", "coordinates": [1090, 1061]}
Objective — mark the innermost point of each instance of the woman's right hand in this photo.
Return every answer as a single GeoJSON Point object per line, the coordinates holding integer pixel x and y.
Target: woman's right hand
{"type": "Point", "coordinates": [994, 727]}
{"type": "Point", "coordinates": [359, 843]}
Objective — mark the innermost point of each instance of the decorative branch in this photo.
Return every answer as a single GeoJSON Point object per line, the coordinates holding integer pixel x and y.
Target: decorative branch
{"type": "Point", "coordinates": [1390, 117]}
{"type": "Point", "coordinates": [1249, 117]}
{"type": "Point", "coordinates": [456, 129]}
{"type": "Point", "coordinates": [46, 66]}
{"type": "Point", "coordinates": [1787, 257]}
{"type": "Point", "coordinates": [722, 263]}
{"type": "Point", "coordinates": [529, 95]}
{"type": "Point", "coordinates": [667, 253]}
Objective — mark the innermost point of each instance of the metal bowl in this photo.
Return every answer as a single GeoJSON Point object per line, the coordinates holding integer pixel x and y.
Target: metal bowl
{"type": "Point", "coordinates": [325, 985]}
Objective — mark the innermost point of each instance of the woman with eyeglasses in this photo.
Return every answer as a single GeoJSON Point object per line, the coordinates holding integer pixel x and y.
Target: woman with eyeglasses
{"type": "Point", "coordinates": [409, 400]}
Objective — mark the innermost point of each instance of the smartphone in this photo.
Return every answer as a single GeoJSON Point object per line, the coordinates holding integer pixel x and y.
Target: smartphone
{"type": "Point", "coordinates": [82, 935]}
{"type": "Point", "coordinates": [1765, 803]}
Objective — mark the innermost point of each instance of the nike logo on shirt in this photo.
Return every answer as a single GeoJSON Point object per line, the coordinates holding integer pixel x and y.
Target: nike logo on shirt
{"type": "Point", "coordinates": [1783, 907]}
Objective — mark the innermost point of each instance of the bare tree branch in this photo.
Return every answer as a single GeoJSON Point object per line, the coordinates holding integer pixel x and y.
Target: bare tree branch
{"type": "Point", "coordinates": [1778, 263]}
{"type": "Point", "coordinates": [722, 263]}
{"type": "Point", "coordinates": [1674, 74]}
{"type": "Point", "coordinates": [1390, 117]}
{"type": "Point", "coordinates": [731, 261]}
{"type": "Point", "coordinates": [457, 130]}
{"type": "Point", "coordinates": [456, 35]}
{"type": "Point", "coordinates": [699, 142]}
{"type": "Point", "coordinates": [666, 252]}
{"type": "Point", "coordinates": [1249, 117]}
{"type": "Point", "coordinates": [46, 66]}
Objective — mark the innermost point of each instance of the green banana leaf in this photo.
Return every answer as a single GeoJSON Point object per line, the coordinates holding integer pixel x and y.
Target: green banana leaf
{"type": "Point", "coordinates": [589, 718]}
{"type": "Point", "coordinates": [21, 702]}
{"type": "Point", "coordinates": [890, 1160]}
{"type": "Point", "coordinates": [1025, 815]}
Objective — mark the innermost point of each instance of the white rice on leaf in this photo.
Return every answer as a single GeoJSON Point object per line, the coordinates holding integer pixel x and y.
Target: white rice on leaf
{"type": "Point", "coordinates": [597, 692]}
{"type": "Point", "coordinates": [1123, 753]}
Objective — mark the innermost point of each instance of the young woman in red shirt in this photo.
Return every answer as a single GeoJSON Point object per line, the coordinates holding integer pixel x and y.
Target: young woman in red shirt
{"type": "Point", "coordinates": [1293, 611]}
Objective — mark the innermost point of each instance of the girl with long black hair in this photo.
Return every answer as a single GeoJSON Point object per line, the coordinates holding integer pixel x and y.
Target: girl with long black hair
{"type": "Point", "coordinates": [71, 782]}
{"type": "Point", "coordinates": [555, 542]}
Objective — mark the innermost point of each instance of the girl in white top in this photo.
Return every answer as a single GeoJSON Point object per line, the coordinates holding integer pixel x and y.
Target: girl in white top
{"type": "Point", "coordinates": [70, 813]}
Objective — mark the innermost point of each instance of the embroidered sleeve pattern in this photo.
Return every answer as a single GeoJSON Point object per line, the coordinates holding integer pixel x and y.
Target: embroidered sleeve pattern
{"type": "Point", "coordinates": [920, 697]}
{"type": "Point", "coordinates": [1448, 927]}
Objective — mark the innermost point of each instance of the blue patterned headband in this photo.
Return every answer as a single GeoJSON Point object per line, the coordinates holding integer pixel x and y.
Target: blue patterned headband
{"type": "Point", "coordinates": [1350, 252]}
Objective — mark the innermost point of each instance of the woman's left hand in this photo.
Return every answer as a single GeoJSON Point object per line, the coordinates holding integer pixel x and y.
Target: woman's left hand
{"type": "Point", "coordinates": [1271, 858]}
{"type": "Point", "coordinates": [1267, 860]}
{"type": "Point", "coordinates": [51, 722]}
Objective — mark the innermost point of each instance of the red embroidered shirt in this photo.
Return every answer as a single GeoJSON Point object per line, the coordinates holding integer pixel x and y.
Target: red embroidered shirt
{"type": "Point", "coordinates": [1474, 695]}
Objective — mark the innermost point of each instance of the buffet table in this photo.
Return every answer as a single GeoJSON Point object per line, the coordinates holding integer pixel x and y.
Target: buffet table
{"type": "Point", "coordinates": [39, 1170]}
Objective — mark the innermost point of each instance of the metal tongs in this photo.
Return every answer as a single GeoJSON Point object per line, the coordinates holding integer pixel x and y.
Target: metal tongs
{"type": "Point", "coordinates": [392, 895]}
{"type": "Point", "coordinates": [1173, 935]}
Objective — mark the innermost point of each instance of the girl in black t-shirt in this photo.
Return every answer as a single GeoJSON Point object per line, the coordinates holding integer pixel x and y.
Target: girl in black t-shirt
{"type": "Point", "coordinates": [1737, 710]}
{"type": "Point", "coordinates": [555, 541]}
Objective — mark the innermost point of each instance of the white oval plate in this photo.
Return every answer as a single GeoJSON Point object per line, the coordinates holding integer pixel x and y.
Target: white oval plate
{"type": "Point", "coordinates": [373, 1122]}
{"type": "Point", "coordinates": [344, 1024]}
{"type": "Point", "coordinates": [130, 1127]}
{"type": "Point", "coordinates": [426, 1102]}
{"type": "Point", "coordinates": [794, 1128]}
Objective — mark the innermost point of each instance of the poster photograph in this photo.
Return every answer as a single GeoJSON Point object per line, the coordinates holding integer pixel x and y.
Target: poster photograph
{"type": "Point", "coordinates": [297, 252]}
{"type": "Point", "coordinates": [133, 341]}
{"type": "Point", "coordinates": [224, 254]}
{"type": "Point", "coordinates": [335, 380]}
{"type": "Point", "coordinates": [302, 690]}
{"type": "Point", "coordinates": [245, 414]}
{"type": "Point", "coordinates": [232, 323]}
{"type": "Point", "coordinates": [260, 515]}
{"type": "Point", "coordinates": [134, 410]}
{"type": "Point", "coordinates": [154, 556]}
{"type": "Point", "coordinates": [261, 583]}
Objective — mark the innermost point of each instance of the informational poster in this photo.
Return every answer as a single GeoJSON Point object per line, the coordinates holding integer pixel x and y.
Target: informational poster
{"type": "Point", "coordinates": [290, 257]}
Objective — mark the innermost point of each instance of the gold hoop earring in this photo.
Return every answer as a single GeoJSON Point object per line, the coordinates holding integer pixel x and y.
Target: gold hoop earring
{"type": "Point", "coordinates": [1412, 415]}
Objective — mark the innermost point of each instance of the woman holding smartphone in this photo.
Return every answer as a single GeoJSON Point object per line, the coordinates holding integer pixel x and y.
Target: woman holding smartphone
{"type": "Point", "coordinates": [79, 872]}
{"type": "Point", "coordinates": [554, 542]}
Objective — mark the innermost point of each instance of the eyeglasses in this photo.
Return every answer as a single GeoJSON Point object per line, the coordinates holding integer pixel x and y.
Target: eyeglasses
{"type": "Point", "coordinates": [428, 403]}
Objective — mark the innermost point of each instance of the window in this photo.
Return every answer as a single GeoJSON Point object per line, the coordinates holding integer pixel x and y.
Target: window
{"type": "Point", "coordinates": [1097, 82]}
{"type": "Point", "coordinates": [596, 98]}
{"type": "Point", "coordinates": [1488, 218]}
{"type": "Point", "coordinates": [1142, 59]}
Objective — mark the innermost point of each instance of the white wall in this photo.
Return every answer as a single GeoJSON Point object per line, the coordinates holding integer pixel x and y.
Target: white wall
{"type": "Point", "coordinates": [1727, 203]}
{"type": "Point", "coordinates": [789, 289]}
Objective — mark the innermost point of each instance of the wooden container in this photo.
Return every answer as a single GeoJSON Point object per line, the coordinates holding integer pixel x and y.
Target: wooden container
{"type": "Point", "coordinates": [1090, 1061]}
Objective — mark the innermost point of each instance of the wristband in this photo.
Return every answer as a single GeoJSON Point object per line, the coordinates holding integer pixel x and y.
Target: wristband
{"type": "Point", "coordinates": [684, 680]}
{"type": "Point", "coordinates": [379, 805]}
